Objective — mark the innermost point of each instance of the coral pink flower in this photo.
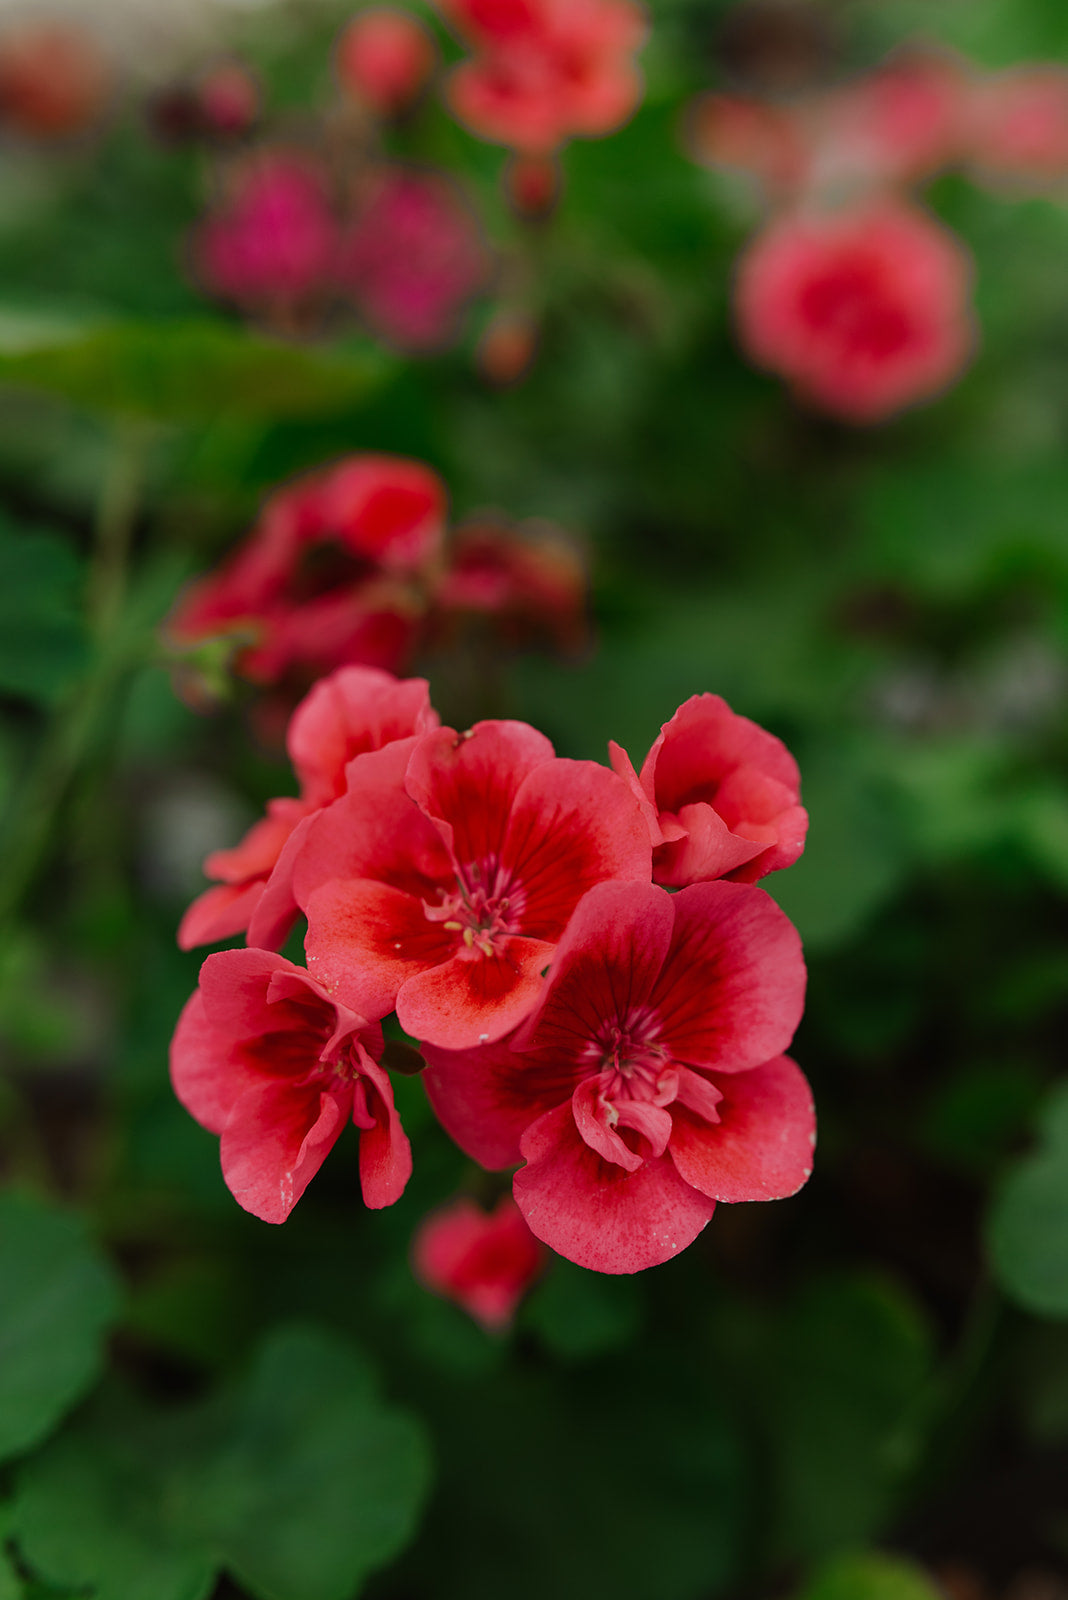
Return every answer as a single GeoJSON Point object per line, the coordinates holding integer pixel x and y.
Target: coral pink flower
{"type": "Point", "coordinates": [531, 582]}
{"type": "Point", "coordinates": [272, 1063]}
{"type": "Point", "coordinates": [864, 311]}
{"type": "Point", "coordinates": [766, 142]}
{"type": "Point", "coordinates": [486, 1262]}
{"type": "Point", "coordinates": [355, 710]}
{"type": "Point", "coordinates": [325, 578]}
{"type": "Point", "coordinates": [272, 243]}
{"type": "Point", "coordinates": [413, 258]}
{"type": "Point", "coordinates": [902, 122]}
{"type": "Point", "coordinates": [384, 58]}
{"type": "Point", "coordinates": [722, 796]}
{"type": "Point", "coordinates": [442, 880]}
{"type": "Point", "coordinates": [1018, 126]}
{"type": "Point", "coordinates": [54, 79]}
{"type": "Point", "coordinates": [546, 70]}
{"type": "Point", "coordinates": [648, 1084]}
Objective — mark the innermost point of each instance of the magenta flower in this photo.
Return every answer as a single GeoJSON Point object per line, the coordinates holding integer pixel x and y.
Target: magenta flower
{"type": "Point", "coordinates": [354, 710]}
{"type": "Point", "coordinates": [268, 1060]}
{"type": "Point", "coordinates": [649, 1083]}
{"type": "Point", "coordinates": [722, 796]}
{"type": "Point", "coordinates": [413, 258]}
{"type": "Point", "coordinates": [441, 882]}
{"type": "Point", "coordinates": [863, 310]}
{"type": "Point", "coordinates": [271, 244]}
{"type": "Point", "coordinates": [485, 1261]}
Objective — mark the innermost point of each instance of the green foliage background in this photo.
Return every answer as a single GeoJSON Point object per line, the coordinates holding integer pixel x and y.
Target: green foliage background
{"type": "Point", "coordinates": [187, 1393]}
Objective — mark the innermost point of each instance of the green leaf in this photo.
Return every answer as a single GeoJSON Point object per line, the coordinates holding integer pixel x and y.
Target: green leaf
{"type": "Point", "coordinates": [869, 1577]}
{"type": "Point", "coordinates": [193, 370]}
{"type": "Point", "coordinates": [580, 1314]}
{"type": "Point", "coordinates": [103, 1506]}
{"type": "Point", "coordinates": [10, 1583]}
{"type": "Point", "coordinates": [59, 1297]}
{"type": "Point", "coordinates": [42, 639]}
{"type": "Point", "coordinates": [1027, 1235]}
{"type": "Point", "coordinates": [320, 1481]}
{"type": "Point", "coordinates": [854, 1363]}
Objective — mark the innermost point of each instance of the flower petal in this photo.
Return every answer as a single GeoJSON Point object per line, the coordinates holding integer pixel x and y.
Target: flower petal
{"type": "Point", "coordinates": [276, 1139]}
{"type": "Point", "coordinates": [467, 783]}
{"type": "Point", "coordinates": [385, 1154]}
{"type": "Point", "coordinates": [219, 913]}
{"type": "Point", "coordinates": [485, 1099]}
{"type": "Point", "coordinates": [366, 939]}
{"type": "Point", "coordinates": [597, 1214]}
{"type": "Point", "coordinates": [474, 999]}
{"type": "Point", "coordinates": [761, 1148]}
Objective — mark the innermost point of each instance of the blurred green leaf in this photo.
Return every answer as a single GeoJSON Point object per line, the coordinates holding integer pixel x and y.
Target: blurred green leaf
{"type": "Point", "coordinates": [1027, 1233]}
{"type": "Point", "coordinates": [194, 370]}
{"type": "Point", "coordinates": [59, 1297]}
{"type": "Point", "coordinates": [320, 1481]}
{"type": "Point", "coordinates": [580, 1314]}
{"type": "Point", "coordinates": [103, 1505]}
{"type": "Point", "coordinates": [42, 636]}
{"type": "Point", "coordinates": [869, 1577]}
{"type": "Point", "coordinates": [853, 1363]}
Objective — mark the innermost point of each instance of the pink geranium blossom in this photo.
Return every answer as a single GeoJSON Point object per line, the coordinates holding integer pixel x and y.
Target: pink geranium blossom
{"type": "Point", "coordinates": [864, 310]}
{"type": "Point", "coordinates": [413, 257]}
{"type": "Point", "coordinates": [267, 1059]}
{"type": "Point", "coordinates": [384, 58]}
{"type": "Point", "coordinates": [485, 1261]}
{"type": "Point", "coordinates": [330, 574]}
{"type": "Point", "coordinates": [1018, 126]}
{"type": "Point", "coordinates": [722, 796]}
{"type": "Point", "coordinates": [546, 70]}
{"type": "Point", "coordinates": [354, 710]}
{"type": "Point", "coordinates": [442, 880]}
{"type": "Point", "coordinates": [648, 1084]}
{"type": "Point", "coordinates": [270, 244]}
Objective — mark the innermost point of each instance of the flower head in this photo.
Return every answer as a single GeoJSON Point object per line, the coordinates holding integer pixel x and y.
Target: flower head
{"type": "Point", "coordinates": [485, 1261]}
{"type": "Point", "coordinates": [546, 70]}
{"type": "Point", "coordinates": [267, 1059]}
{"type": "Point", "coordinates": [864, 310]}
{"type": "Point", "coordinates": [442, 880]}
{"type": "Point", "coordinates": [648, 1084]}
{"type": "Point", "coordinates": [384, 58]}
{"type": "Point", "coordinates": [722, 796]}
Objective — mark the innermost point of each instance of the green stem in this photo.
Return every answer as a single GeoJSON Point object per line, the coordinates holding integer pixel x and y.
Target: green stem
{"type": "Point", "coordinates": [70, 737]}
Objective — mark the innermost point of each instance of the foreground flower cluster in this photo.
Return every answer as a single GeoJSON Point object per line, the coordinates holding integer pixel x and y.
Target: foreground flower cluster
{"type": "Point", "coordinates": [514, 910]}
{"type": "Point", "coordinates": [853, 292]}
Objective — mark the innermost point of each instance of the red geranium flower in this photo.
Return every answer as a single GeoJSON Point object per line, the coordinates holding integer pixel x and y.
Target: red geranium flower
{"type": "Point", "coordinates": [486, 1262]}
{"type": "Point", "coordinates": [413, 258]}
{"type": "Point", "coordinates": [1018, 126]}
{"type": "Point", "coordinates": [864, 310]}
{"type": "Point", "coordinates": [384, 58]}
{"type": "Point", "coordinates": [442, 880]}
{"type": "Point", "coordinates": [354, 710]}
{"type": "Point", "coordinates": [546, 70]}
{"type": "Point", "coordinates": [268, 1060]}
{"type": "Point", "coordinates": [326, 576]}
{"type": "Point", "coordinates": [648, 1084]}
{"type": "Point", "coordinates": [531, 582]}
{"type": "Point", "coordinates": [722, 796]}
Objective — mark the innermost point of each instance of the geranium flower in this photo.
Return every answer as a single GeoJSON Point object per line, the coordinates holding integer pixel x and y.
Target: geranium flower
{"type": "Point", "coordinates": [270, 245]}
{"type": "Point", "coordinates": [442, 880]}
{"type": "Point", "coordinates": [330, 574]}
{"type": "Point", "coordinates": [485, 1261]}
{"type": "Point", "coordinates": [54, 78]}
{"type": "Point", "coordinates": [863, 310]}
{"type": "Point", "coordinates": [272, 1063]}
{"type": "Point", "coordinates": [546, 70]}
{"type": "Point", "coordinates": [413, 258]}
{"type": "Point", "coordinates": [648, 1084]}
{"type": "Point", "coordinates": [1018, 126]}
{"type": "Point", "coordinates": [722, 796]}
{"type": "Point", "coordinates": [384, 58]}
{"type": "Point", "coordinates": [354, 710]}
{"type": "Point", "coordinates": [530, 582]}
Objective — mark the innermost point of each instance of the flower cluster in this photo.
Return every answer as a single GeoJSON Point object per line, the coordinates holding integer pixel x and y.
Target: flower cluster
{"type": "Point", "coordinates": [402, 246]}
{"type": "Point", "coordinates": [545, 71]}
{"type": "Point", "coordinates": [852, 291]}
{"type": "Point", "coordinates": [352, 565]}
{"type": "Point", "coordinates": [514, 910]}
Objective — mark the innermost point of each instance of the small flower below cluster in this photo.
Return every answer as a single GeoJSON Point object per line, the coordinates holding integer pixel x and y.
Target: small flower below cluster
{"type": "Point", "coordinates": [484, 1261]}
